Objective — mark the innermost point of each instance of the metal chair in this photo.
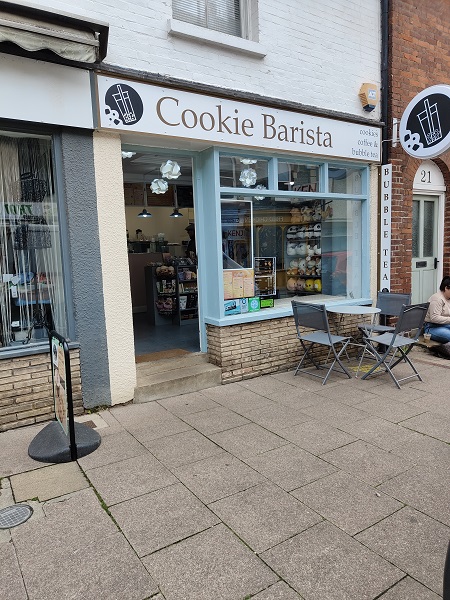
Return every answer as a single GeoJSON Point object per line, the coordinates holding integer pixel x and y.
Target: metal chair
{"type": "Point", "coordinates": [390, 305]}
{"type": "Point", "coordinates": [314, 317]}
{"type": "Point", "coordinates": [390, 349]}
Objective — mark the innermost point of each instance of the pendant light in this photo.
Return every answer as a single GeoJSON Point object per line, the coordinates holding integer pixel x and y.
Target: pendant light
{"type": "Point", "coordinates": [176, 213]}
{"type": "Point", "coordinates": [144, 213]}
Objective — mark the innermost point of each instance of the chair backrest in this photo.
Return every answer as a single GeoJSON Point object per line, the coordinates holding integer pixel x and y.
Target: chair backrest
{"type": "Point", "coordinates": [311, 316]}
{"type": "Point", "coordinates": [390, 304]}
{"type": "Point", "coordinates": [412, 318]}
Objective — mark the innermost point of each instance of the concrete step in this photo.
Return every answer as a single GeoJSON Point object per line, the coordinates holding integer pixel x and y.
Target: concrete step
{"type": "Point", "coordinates": [170, 364]}
{"type": "Point", "coordinates": [177, 381]}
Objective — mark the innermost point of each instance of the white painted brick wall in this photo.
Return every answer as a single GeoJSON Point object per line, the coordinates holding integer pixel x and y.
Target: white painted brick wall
{"type": "Point", "coordinates": [319, 52]}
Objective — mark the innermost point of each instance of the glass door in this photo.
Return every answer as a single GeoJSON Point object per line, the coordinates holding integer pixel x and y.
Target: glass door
{"type": "Point", "coordinates": [424, 247]}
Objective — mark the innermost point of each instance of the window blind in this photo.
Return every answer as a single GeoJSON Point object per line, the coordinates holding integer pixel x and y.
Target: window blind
{"type": "Point", "coordinates": [219, 15]}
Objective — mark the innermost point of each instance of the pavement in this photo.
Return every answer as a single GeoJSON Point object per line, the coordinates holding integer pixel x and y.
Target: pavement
{"type": "Point", "coordinates": [274, 488]}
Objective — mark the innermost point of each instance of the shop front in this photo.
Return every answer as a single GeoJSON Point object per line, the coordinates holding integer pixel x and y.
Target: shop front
{"type": "Point", "coordinates": [284, 206]}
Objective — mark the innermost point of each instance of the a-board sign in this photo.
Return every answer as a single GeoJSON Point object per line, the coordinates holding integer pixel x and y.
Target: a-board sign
{"type": "Point", "coordinates": [62, 387]}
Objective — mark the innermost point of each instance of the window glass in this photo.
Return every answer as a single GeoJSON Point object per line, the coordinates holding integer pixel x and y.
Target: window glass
{"type": "Point", "coordinates": [219, 15]}
{"type": "Point", "coordinates": [243, 172]}
{"type": "Point", "coordinates": [428, 228]}
{"type": "Point", "coordinates": [237, 235]}
{"type": "Point", "coordinates": [31, 288]}
{"type": "Point", "coordinates": [415, 229]}
{"type": "Point", "coordinates": [298, 178]}
{"type": "Point", "coordinates": [344, 180]}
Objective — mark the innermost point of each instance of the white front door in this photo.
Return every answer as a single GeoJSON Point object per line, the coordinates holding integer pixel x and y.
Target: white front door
{"type": "Point", "coordinates": [425, 258]}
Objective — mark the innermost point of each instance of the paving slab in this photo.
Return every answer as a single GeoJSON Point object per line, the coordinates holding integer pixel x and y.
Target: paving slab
{"type": "Point", "coordinates": [114, 447]}
{"type": "Point", "coordinates": [367, 462]}
{"type": "Point", "coordinates": [269, 387]}
{"type": "Point", "coordinates": [324, 563]}
{"type": "Point", "coordinates": [213, 564]}
{"type": "Point", "coordinates": [48, 482]}
{"type": "Point", "coordinates": [277, 417]}
{"type": "Point", "coordinates": [187, 403]}
{"type": "Point", "coordinates": [349, 395]}
{"type": "Point", "coordinates": [409, 390]}
{"type": "Point", "coordinates": [425, 488]}
{"type": "Point", "coordinates": [183, 448]}
{"type": "Point", "coordinates": [317, 437]}
{"type": "Point", "coordinates": [278, 591]}
{"type": "Point", "coordinates": [155, 429]}
{"type": "Point", "coordinates": [14, 450]}
{"type": "Point", "coordinates": [305, 383]}
{"type": "Point", "coordinates": [290, 467]}
{"type": "Point", "coordinates": [408, 589]}
{"type": "Point", "coordinates": [161, 518]}
{"type": "Point", "coordinates": [216, 477]}
{"type": "Point", "coordinates": [334, 413]}
{"type": "Point", "coordinates": [298, 398]}
{"type": "Point", "coordinates": [214, 420]}
{"type": "Point", "coordinates": [379, 432]}
{"type": "Point", "coordinates": [62, 523]}
{"type": "Point", "coordinates": [436, 426]}
{"type": "Point", "coordinates": [413, 542]}
{"type": "Point", "coordinates": [106, 569]}
{"type": "Point", "coordinates": [435, 403]}
{"type": "Point", "coordinates": [423, 449]}
{"type": "Point", "coordinates": [11, 585]}
{"type": "Point", "coordinates": [130, 478]}
{"type": "Point", "coordinates": [389, 408]}
{"type": "Point", "coordinates": [236, 398]}
{"type": "Point", "coordinates": [264, 515]}
{"type": "Point", "coordinates": [247, 440]}
{"type": "Point", "coordinates": [347, 502]}
{"type": "Point", "coordinates": [134, 415]}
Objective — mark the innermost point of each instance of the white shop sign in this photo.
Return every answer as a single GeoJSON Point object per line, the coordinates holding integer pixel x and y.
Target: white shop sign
{"type": "Point", "coordinates": [40, 92]}
{"type": "Point", "coordinates": [385, 227]}
{"type": "Point", "coordinates": [145, 108]}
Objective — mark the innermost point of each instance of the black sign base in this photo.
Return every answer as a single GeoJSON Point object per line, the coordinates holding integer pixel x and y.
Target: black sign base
{"type": "Point", "coordinates": [51, 444]}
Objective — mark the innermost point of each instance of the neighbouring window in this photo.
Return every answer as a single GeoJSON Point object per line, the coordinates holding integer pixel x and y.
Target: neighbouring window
{"type": "Point", "coordinates": [219, 15]}
{"type": "Point", "coordinates": [31, 278]}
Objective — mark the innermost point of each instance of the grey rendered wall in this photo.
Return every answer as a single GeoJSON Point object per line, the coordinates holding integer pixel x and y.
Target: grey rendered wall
{"type": "Point", "coordinates": [85, 264]}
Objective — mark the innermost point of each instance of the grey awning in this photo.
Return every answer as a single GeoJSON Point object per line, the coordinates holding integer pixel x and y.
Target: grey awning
{"type": "Point", "coordinates": [68, 36]}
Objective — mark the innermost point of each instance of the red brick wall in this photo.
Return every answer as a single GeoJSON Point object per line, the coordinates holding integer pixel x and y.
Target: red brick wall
{"type": "Point", "coordinates": [419, 57]}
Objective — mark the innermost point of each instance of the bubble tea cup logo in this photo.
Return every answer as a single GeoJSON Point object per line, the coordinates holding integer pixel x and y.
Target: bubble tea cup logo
{"type": "Point", "coordinates": [123, 105]}
{"type": "Point", "coordinates": [425, 124]}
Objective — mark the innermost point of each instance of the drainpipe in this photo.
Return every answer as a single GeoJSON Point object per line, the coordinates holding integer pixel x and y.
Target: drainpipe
{"type": "Point", "coordinates": [385, 7]}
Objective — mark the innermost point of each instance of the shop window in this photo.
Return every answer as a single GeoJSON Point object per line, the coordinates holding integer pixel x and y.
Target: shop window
{"type": "Point", "coordinates": [300, 248]}
{"type": "Point", "coordinates": [220, 15]}
{"type": "Point", "coordinates": [31, 281]}
{"type": "Point", "coordinates": [298, 177]}
{"type": "Point", "coordinates": [344, 180]}
{"type": "Point", "coordinates": [244, 172]}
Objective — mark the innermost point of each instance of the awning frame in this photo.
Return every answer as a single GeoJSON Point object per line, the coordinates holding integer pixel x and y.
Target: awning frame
{"type": "Point", "coordinates": [99, 29]}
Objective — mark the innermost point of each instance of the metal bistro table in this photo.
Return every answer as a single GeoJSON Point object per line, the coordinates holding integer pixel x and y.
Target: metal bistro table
{"type": "Point", "coordinates": [343, 310]}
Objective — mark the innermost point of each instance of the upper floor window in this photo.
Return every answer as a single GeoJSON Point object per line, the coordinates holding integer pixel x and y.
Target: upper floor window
{"type": "Point", "coordinates": [219, 15]}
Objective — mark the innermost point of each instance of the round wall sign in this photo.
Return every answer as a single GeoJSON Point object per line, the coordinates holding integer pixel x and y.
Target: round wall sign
{"type": "Point", "coordinates": [425, 124]}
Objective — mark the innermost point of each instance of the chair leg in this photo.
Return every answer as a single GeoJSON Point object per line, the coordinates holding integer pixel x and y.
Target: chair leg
{"type": "Point", "coordinates": [307, 355]}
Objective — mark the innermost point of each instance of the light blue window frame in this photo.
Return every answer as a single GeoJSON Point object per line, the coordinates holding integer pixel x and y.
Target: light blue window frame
{"type": "Point", "coordinates": [208, 220]}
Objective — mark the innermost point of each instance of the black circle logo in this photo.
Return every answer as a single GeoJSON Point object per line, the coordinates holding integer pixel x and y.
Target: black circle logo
{"type": "Point", "coordinates": [123, 105]}
{"type": "Point", "coordinates": [425, 124]}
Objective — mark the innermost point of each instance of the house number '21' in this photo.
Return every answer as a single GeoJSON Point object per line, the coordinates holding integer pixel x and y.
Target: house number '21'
{"type": "Point", "coordinates": [425, 176]}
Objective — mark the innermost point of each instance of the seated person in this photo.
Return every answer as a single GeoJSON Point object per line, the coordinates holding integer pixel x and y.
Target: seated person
{"type": "Point", "coordinates": [437, 321]}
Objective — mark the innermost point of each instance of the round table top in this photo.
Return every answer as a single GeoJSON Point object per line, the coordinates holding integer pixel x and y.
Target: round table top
{"type": "Point", "coordinates": [353, 310]}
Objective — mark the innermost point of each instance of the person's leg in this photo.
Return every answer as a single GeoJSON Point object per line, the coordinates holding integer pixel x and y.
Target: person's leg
{"type": "Point", "coordinates": [439, 333]}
